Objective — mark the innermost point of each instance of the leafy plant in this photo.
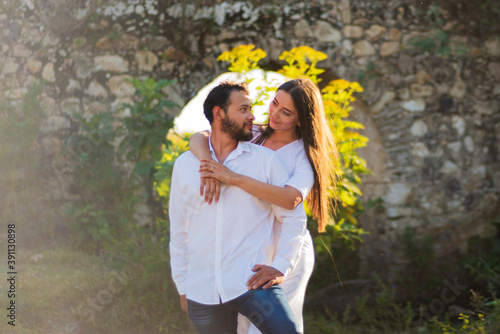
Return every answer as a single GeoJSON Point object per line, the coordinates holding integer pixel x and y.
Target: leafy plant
{"type": "Point", "coordinates": [145, 132]}
{"type": "Point", "coordinates": [146, 128]}
{"type": "Point", "coordinates": [438, 40]}
{"type": "Point", "coordinates": [383, 312]}
{"type": "Point", "coordinates": [99, 216]}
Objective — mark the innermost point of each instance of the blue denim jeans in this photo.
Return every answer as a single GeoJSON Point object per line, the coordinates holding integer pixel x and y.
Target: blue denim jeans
{"type": "Point", "coordinates": [267, 309]}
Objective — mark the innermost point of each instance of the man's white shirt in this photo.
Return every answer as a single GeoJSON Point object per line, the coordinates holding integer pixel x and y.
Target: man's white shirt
{"type": "Point", "coordinates": [214, 247]}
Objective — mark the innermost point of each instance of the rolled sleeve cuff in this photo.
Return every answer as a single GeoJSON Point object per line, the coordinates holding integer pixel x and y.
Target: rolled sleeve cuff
{"type": "Point", "coordinates": [181, 287]}
{"type": "Point", "coordinates": [281, 264]}
{"type": "Point", "coordinates": [303, 192]}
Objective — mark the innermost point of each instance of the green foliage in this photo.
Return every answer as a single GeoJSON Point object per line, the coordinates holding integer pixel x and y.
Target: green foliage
{"type": "Point", "coordinates": [383, 312]}
{"type": "Point", "coordinates": [302, 62]}
{"type": "Point", "coordinates": [105, 208]}
{"type": "Point", "coordinates": [146, 128]}
{"type": "Point", "coordinates": [438, 40]}
{"type": "Point", "coordinates": [421, 269]}
{"type": "Point", "coordinates": [19, 127]}
{"type": "Point", "coordinates": [165, 165]}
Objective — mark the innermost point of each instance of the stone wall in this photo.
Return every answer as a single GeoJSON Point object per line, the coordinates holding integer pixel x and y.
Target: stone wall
{"type": "Point", "coordinates": [432, 111]}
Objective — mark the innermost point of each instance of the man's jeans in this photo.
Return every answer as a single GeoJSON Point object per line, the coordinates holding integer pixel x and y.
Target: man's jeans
{"type": "Point", "coordinates": [266, 308]}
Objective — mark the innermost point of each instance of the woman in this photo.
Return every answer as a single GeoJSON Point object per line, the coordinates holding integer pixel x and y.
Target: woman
{"type": "Point", "coordinates": [299, 133]}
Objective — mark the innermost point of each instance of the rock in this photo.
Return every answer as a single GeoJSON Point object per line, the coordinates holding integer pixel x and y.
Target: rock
{"type": "Point", "coordinates": [71, 106]}
{"type": "Point", "coordinates": [455, 148]}
{"type": "Point", "coordinates": [48, 72]}
{"type": "Point", "coordinates": [120, 86]}
{"type": "Point", "coordinates": [422, 77]}
{"type": "Point", "coordinates": [382, 102]}
{"type": "Point", "coordinates": [344, 9]}
{"type": "Point", "coordinates": [48, 106]}
{"type": "Point", "coordinates": [172, 53]}
{"type": "Point", "coordinates": [495, 70]}
{"type": "Point", "coordinates": [325, 33]}
{"type": "Point", "coordinates": [302, 30]}
{"type": "Point", "coordinates": [419, 129]}
{"type": "Point", "coordinates": [34, 65]}
{"type": "Point", "coordinates": [421, 90]}
{"type": "Point", "coordinates": [146, 60]}
{"type": "Point", "coordinates": [415, 105]}
{"type": "Point", "coordinates": [458, 124]}
{"type": "Point", "coordinates": [21, 50]}
{"type": "Point", "coordinates": [389, 48]}
{"type": "Point", "coordinates": [496, 90]}
{"type": "Point", "coordinates": [31, 34]}
{"type": "Point", "coordinates": [346, 47]}
{"type": "Point", "coordinates": [123, 42]}
{"type": "Point", "coordinates": [10, 66]}
{"type": "Point", "coordinates": [404, 94]}
{"type": "Point", "coordinates": [375, 32]}
{"type": "Point", "coordinates": [54, 124]}
{"type": "Point", "coordinates": [492, 45]}
{"type": "Point", "coordinates": [94, 108]}
{"type": "Point", "coordinates": [419, 150]}
{"type": "Point", "coordinates": [83, 66]}
{"type": "Point", "coordinates": [228, 35]}
{"type": "Point", "coordinates": [449, 168]}
{"type": "Point", "coordinates": [469, 144]}
{"type": "Point", "coordinates": [397, 194]}
{"type": "Point", "coordinates": [95, 89]}
{"type": "Point", "coordinates": [110, 64]}
{"type": "Point", "coordinates": [174, 94]}
{"type": "Point", "coordinates": [398, 212]}
{"type": "Point", "coordinates": [350, 31]}
{"type": "Point", "coordinates": [363, 48]}
{"type": "Point", "coordinates": [394, 34]}
{"type": "Point", "coordinates": [156, 43]}
{"type": "Point", "coordinates": [405, 63]}
{"type": "Point", "coordinates": [276, 48]}
{"type": "Point", "coordinates": [480, 172]}
{"type": "Point", "coordinates": [78, 42]}
{"type": "Point", "coordinates": [73, 86]}
{"type": "Point", "coordinates": [15, 93]}
{"type": "Point", "coordinates": [487, 107]}
{"type": "Point", "coordinates": [459, 89]}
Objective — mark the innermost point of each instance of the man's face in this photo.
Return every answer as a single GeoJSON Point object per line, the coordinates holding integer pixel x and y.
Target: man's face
{"type": "Point", "coordinates": [237, 121]}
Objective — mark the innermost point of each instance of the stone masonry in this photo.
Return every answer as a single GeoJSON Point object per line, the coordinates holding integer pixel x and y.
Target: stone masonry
{"type": "Point", "coordinates": [432, 112]}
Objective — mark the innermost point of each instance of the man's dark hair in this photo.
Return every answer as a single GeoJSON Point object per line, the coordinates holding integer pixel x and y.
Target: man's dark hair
{"type": "Point", "coordinates": [219, 96]}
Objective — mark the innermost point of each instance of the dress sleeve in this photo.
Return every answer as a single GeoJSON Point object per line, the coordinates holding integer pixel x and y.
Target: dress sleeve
{"type": "Point", "coordinates": [293, 225]}
{"type": "Point", "coordinates": [303, 177]}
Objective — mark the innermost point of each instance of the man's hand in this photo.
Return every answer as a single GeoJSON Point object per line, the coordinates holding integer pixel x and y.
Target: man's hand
{"type": "Point", "coordinates": [184, 303]}
{"type": "Point", "coordinates": [265, 274]}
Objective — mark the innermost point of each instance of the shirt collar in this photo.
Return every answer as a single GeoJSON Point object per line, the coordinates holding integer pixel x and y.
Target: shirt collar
{"type": "Point", "coordinates": [243, 146]}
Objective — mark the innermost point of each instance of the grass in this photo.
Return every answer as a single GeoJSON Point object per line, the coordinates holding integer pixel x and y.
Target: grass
{"type": "Point", "coordinates": [68, 291]}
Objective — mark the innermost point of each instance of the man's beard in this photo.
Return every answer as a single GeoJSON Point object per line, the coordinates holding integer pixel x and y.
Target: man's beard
{"type": "Point", "coordinates": [237, 133]}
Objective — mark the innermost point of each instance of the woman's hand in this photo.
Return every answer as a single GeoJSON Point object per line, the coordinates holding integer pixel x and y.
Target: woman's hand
{"type": "Point", "coordinates": [213, 169]}
{"type": "Point", "coordinates": [210, 188]}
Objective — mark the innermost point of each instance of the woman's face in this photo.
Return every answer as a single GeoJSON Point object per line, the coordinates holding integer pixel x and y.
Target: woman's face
{"type": "Point", "coordinates": [282, 113]}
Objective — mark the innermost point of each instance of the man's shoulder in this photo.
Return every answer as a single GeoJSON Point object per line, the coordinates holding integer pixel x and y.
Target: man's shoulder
{"type": "Point", "coordinates": [186, 158]}
{"type": "Point", "coordinates": [258, 149]}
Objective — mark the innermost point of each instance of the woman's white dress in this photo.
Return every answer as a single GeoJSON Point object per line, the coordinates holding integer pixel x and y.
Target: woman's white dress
{"type": "Point", "coordinates": [301, 177]}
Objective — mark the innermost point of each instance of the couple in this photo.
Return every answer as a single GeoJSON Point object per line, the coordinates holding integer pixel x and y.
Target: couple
{"type": "Point", "coordinates": [250, 252]}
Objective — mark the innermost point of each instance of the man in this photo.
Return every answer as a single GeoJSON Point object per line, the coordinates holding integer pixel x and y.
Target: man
{"type": "Point", "coordinates": [214, 247]}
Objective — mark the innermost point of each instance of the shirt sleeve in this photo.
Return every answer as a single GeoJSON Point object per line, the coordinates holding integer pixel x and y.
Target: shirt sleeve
{"type": "Point", "coordinates": [178, 233]}
{"type": "Point", "coordinates": [293, 224]}
{"type": "Point", "coordinates": [303, 176]}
